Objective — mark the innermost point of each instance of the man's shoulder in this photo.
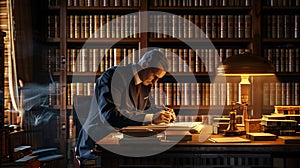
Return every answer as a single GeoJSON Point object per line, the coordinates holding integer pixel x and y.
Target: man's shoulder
{"type": "Point", "coordinates": [117, 70]}
{"type": "Point", "coordinates": [111, 70]}
{"type": "Point", "coordinates": [121, 69]}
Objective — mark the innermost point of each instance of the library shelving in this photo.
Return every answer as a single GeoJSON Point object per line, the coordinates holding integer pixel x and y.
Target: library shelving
{"type": "Point", "coordinates": [280, 44]}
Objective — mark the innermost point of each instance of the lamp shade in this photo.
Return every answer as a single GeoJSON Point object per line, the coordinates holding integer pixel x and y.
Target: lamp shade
{"type": "Point", "coordinates": [249, 64]}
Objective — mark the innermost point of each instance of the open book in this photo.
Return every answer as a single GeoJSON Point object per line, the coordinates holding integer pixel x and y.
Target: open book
{"type": "Point", "coordinates": [192, 127]}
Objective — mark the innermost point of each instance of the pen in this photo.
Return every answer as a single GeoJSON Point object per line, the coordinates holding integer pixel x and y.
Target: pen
{"type": "Point", "coordinates": [165, 107]}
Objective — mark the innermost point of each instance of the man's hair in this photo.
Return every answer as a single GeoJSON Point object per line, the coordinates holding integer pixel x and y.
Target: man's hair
{"type": "Point", "coordinates": [155, 59]}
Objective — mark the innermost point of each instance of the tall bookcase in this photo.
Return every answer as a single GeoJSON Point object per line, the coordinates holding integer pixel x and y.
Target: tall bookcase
{"type": "Point", "coordinates": [233, 27]}
{"type": "Point", "coordinates": [3, 149]}
{"type": "Point", "coordinates": [2, 34]}
{"type": "Point", "coordinates": [280, 44]}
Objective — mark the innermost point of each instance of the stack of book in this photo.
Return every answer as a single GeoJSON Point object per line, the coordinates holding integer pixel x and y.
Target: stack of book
{"type": "Point", "coordinates": [220, 124]}
{"type": "Point", "coordinates": [284, 121]}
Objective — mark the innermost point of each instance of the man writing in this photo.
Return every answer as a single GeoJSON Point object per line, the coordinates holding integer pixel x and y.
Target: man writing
{"type": "Point", "coordinates": [122, 95]}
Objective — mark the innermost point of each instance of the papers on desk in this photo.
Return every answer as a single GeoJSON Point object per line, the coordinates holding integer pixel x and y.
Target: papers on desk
{"type": "Point", "coordinates": [229, 140]}
{"type": "Point", "coordinates": [192, 127]}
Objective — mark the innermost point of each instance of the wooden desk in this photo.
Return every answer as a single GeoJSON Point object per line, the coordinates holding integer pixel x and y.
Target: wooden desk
{"type": "Point", "coordinates": [207, 154]}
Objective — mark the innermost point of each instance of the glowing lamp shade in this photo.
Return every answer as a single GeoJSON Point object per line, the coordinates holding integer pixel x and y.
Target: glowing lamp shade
{"type": "Point", "coordinates": [246, 65]}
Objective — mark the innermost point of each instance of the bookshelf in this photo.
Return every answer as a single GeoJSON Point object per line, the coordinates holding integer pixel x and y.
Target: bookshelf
{"type": "Point", "coordinates": [3, 135]}
{"type": "Point", "coordinates": [73, 49]}
{"type": "Point", "coordinates": [2, 34]}
{"type": "Point", "coordinates": [280, 44]}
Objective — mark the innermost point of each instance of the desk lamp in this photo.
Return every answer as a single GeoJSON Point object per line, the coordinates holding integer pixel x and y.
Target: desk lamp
{"type": "Point", "coordinates": [243, 65]}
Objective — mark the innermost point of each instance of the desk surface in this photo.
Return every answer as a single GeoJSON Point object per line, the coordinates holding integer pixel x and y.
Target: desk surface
{"type": "Point", "coordinates": [113, 139]}
{"type": "Point", "coordinates": [194, 153]}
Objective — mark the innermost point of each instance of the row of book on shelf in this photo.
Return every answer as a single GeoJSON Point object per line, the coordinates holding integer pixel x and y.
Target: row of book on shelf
{"type": "Point", "coordinates": [281, 3]}
{"type": "Point", "coordinates": [100, 59]}
{"type": "Point", "coordinates": [192, 94]}
{"type": "Point", "coordinates": [190, 26]}
{"type": "Point", "coordinates": [176, 3]}
{"type": "Point", "coordinates": [281, 26]}
{"type": "Point", "coordinates": [82, 3]}
{"type": "Point", "coordinates": [183, 60]}
{"type": "Point", "coordinates": [285, 93]}
{"type": "Point", "coordinates": [123, 3]}
{"type": "Point", "coordinates": [96, 26]}
{"type": "Point", "coordinates": [174, 26]}
{"type": "Point", "coordinates": [175, 94]}
{"type": "Point", "coordinates": [164, 26]}
{"type": "Point", "coordinates": [284, 59]}
{"type": "Point", "coordinates": [195, 3]}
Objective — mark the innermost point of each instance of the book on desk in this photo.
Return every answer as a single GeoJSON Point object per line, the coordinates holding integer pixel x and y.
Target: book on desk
{"type": "Point", "coordinates": [289, 139]}
{"type": "Point", "coordinates": [229, 140]}
{"type": "Point", "coordinates": [192, 127]}
{"type": "Point", "coordinates": [261, 136]}
{"type": "Point", "coordinates": [181, 131]}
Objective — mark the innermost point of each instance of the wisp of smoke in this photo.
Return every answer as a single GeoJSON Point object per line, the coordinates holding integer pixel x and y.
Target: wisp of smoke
{"type": "Point", "coordinates": [37, 97]}
{"type": "Point", "coordinates": [44, 116]}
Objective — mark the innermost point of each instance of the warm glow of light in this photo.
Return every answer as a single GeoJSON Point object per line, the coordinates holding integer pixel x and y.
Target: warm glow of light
{"type": "Point", "coordinates": [245, 79]}
{"type": "Point", "coordinates": [262, 74]}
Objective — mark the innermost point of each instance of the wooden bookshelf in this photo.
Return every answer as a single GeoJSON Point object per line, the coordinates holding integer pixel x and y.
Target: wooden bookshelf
{"type": "Point", "coordinates": [2, 34]}
{"type": "Point", "coordinates": [3, 133]}
{"type": "Point", "coordinates": [280, 45]}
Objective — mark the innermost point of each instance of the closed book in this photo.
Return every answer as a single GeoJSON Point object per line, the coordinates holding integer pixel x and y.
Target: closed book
{"type": "Point", "coordinates": [178, 136]}
{"type": "Point", "coordinates": [261, 136]}
{"type": "Point", "coordinates": [282, 123]}
{"type": "Point", "coordinates": [290, 139]}
{"type": "Point", "coordinates": [273, 117]}
{"type": "Point", "coordinates": [192, 127]}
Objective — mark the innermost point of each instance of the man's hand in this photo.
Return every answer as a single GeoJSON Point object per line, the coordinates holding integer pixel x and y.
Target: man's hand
{"type": "Point", "coordinates": [164, 116]}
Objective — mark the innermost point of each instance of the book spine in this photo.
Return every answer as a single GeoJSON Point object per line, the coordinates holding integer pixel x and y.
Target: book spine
{"type": "Point", "coordinates": [71, 33]}
{"type": "Point", "coordinates": [208, 25]}
{"type": "Point", "coordinates": [108, 26]}
{"type": "Point", "coordinates": [169, 91]}
{"type": "Point", "coordinates": [191, 29]}
{"type": "Point", "coordinates": [162, 94]}
{"type": "Point", "coordinates": [193, 94]}
{"type": "Point", "coordinates": [248, 28]}
{"type": "Point", "coordinates": [241, 26]}
{"type": "Point", "coordinates": [214, 27]}
{"type": "Point", "coordinates": [165, 26]}
{"type": "Point", "coordinates": [76, 26]}
{"type": "Point", "coordinates": [230, 26]}
{"type": "Point", "coordinates": [186, 60]}
{"type": "Point", "coordinates": [113, 26]}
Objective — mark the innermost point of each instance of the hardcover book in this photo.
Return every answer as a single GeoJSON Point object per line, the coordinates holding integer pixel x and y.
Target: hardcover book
{"type": "Point", "coordinates": [290, 139]}
{"type": "Point", "coordinates": [260, 136]}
